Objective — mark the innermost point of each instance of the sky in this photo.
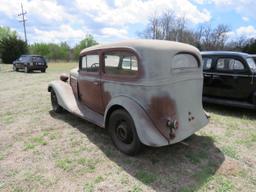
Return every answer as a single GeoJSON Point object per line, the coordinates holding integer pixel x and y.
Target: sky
{"type": "Point", "coordinates": [113, 20]}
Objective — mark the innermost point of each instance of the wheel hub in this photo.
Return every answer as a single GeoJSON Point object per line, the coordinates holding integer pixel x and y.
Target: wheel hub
{"type": "Point", "coordinates": [123, 133]}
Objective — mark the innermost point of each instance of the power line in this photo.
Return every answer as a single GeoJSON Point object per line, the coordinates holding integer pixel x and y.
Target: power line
{"type": "Point", "coordinates": [23, 13]}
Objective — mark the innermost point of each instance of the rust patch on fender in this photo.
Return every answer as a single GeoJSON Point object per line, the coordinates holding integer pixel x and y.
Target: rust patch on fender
{"type": "Point", "coordinates": [162, 109]}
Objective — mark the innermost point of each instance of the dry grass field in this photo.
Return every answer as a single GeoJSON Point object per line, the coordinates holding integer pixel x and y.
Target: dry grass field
{"type": "Point", "coordinates": [44, 151]}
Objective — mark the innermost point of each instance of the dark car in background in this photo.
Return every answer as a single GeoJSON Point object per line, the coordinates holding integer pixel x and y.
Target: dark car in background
{"type": "Point", "coordinates": [30, 63]}
{"type": "Point", "coordinates": [229, 78]}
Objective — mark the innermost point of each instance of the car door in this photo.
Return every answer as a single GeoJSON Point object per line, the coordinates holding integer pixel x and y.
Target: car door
{"type": "Point", "coordinates": [230, 78]}
{"type": "Point", "coordinates": [20, 61]}
{"type": "Point", "coordinates": [208, 62]}
{"type": "Point", "coordinates": [89, 82]}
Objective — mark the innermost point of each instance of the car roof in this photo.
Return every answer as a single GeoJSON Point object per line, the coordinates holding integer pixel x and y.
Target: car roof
{"type": "Point", "coordinates": [228, 53]}
{"type": "Point", "coordinates": [156, 56]}
{"type": "Point", "coordinates": [144, 44]}
{"type": "Point", "coordinates": [31, 55]}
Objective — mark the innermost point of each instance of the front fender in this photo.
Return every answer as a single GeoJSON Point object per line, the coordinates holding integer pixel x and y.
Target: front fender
{"type": "Point", "coordinates": [64, 93]}
{"type": "Point", "coordinates": [146, 131]}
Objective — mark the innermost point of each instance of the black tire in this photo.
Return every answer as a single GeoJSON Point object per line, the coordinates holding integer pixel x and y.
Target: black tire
{"type": "Point", "coordinates": [15, 68]}
{"type": "Point", "coordinates": [26, 70]}
{"type": "Point", "coordinates": [123, 133]}
{"type": "Point", "coordinates": [43, 70]}
{"type": "Point", "coordinates": [55, 105]}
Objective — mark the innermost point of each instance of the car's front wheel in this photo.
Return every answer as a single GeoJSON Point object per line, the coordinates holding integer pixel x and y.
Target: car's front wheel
{"type": "Point", "coordinates": [123, 132]}
{"type": "Point", "coordinates": [55, 105]}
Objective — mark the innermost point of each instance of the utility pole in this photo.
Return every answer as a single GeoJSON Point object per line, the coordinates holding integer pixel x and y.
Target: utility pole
{"type": "Point", "coordinates": [23, 13]}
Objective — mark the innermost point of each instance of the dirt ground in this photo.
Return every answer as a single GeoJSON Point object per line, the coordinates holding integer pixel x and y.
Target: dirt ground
{"type": "Point", "coordinates": [44, 151]}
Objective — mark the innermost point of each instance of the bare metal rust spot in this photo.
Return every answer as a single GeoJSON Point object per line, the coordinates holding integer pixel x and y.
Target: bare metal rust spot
{"type": "Point", "coordinates": [161, 109]}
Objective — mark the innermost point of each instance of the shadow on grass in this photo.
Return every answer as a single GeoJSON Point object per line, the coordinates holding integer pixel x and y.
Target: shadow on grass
{"type": "Point", "coordinates": [176, 167]}
{"type": "Point", "coordinates": [230, 111]}
{"type": "Point", "coordinates": [22, 71]}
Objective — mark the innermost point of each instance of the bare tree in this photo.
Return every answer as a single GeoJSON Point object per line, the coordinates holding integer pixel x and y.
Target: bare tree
{"type": "Point", "coordinates": [167, 26]}
{"type": "Point", "coordinates": [210, 38]}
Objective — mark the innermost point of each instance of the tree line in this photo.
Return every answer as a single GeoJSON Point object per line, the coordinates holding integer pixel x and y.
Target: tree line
{"type": "Point", "coordinates": [167, 26]}
{"type": "Point", "coordinates": [164, 26]}
{"type": "Point", "coordinates": [12, 46]}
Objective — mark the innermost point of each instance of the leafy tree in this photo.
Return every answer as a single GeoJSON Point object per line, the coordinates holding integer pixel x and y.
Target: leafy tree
{"type": "Point", "coordinates": [11, 47]}
{"type": "Point", "coordinates": [39, 49]}
{"type": "Point", "coordinates": [6, 32]}
{"type": "Point", "coordinates": [51, 51]}
{"type": "Point", "coordinates": [88, 41]}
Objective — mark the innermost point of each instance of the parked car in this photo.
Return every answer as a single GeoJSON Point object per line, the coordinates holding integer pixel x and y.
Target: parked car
{"type": "Point", "coordinates": [229, 78]}
{"type": "Point", "coordinates": [30, 63]}
{"type": "Point", "coordinates": [145, 92]}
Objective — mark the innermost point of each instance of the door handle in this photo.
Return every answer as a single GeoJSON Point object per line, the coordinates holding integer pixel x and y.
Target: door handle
{"type": "Point", "coordinates": [215, 76]}
{"type": "Point", "coordinates": [96, 82]}
{"type": "Point", "coordinates": [207, 75]}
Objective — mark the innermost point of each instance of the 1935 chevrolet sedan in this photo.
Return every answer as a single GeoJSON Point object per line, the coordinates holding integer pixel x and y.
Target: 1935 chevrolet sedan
{"type": "Point", "coordinates": [143, 91]}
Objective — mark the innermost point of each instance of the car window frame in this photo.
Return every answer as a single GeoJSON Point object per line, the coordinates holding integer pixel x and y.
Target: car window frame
{"type": "Point", "coordinates": [118, 77]}
{"type": "Point", "coordinates": [212, 65]}
{"type": "Point", "coordinates": [90, 73]}
{"type": "Point", "coordinates": [243, 71]}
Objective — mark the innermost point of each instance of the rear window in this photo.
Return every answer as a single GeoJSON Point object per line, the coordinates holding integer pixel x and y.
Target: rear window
{"type": "Point", "coordinates": [38, 59]}
{"type": "Point", "coordinates": [184, 61]}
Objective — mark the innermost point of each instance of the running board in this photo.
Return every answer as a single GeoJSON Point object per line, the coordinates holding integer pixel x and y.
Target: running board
{"type": "Point", "coordinates": [87, 114]}
{"type": "Point", "coordinates": [229, 102]}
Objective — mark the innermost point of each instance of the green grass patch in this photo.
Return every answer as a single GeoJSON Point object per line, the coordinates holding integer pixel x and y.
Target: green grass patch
{"type": "Point", "coordinates": [8, 118]}
{"type": "Point", "coordinates": [89, 187]}
{"type": "Point", "coordinates": [136, 188]}
{"type": "Point", "coordinates": [1, 156]}
{"type": "Point", "coordinates": [196, 157]}
{"type": "Point", "coordinates": [224, 185]}
{"type": "Point", "coordinates": [29, 146]}
{"type": "Point", "coordinates": [230, 151]}
{"type": "Point", "coordinates": [39, 140]}
{"type": "Point", "coordinates": [35, 141]}
{"type": "Point", "coordinates": [145, 176]}
{"type": "Point", "coordinates": [89, 165]}
{"type": "Point", "coordinates": [99, 179]}
{"type": "Point", "coordinates": [65, 164]}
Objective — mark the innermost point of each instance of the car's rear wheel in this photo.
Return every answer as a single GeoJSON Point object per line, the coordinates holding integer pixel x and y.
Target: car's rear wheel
{"type": "Point", "coordinates": [55, 105]}
{"type": "Point", "coordinates": [15, 68]}
{"type": "Point", "coordinates": [26, 69]}
{"type": "Point", "coordinates": [43, 70]}
{"type": "Point", "coordinates": [123, 132]}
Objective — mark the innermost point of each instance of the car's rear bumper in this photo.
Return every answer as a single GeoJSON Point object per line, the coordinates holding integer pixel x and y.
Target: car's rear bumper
{"type": "Point", "coordinates": [37, 67]}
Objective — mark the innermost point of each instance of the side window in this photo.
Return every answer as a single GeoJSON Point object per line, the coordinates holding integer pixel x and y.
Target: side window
{"type": "Point", "coordinates": [120, 63]}
{"type": "Point", "coordinates": [90, 63]}
{"type": "Point", "coordinates": [229, 64]}
{"type": "Point", "coordinates": [207, 63]}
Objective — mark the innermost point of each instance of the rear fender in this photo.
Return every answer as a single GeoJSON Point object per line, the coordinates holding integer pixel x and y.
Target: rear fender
{"type": "Point", "coordinates": [146, 131]}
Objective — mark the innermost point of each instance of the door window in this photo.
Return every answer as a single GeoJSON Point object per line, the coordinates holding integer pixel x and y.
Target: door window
{"type": "Point", "coordinates": [120, 63]}
{"type": "Point", "coordinates": [207, 63]}
{"type": "Point", "coordinates": [90, 63]}
{"type": "Point", "coordinates": [229, 64]}
{"type": "Point", "coordinates": [252, 64]}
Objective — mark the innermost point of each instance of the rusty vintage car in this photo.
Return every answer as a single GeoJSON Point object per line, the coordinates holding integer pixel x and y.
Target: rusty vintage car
{"type": "Point", "coordinates": [145, 92]}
